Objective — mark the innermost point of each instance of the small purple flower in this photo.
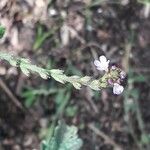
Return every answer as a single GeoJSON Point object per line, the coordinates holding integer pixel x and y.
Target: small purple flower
{"type": "Point", "coordinates": [117, 88]}
{"type": "Point", "coordinates": [110, 82]}
{"type": "Point", "coordinates": [102, 64]}
{"type": "Point", "coordinates": [113, 67]}
{"type": "Point", "coordinates": [122, 74]}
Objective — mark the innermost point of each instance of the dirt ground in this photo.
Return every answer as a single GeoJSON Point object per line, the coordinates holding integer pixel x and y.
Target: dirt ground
{"type": "Point", "coordinates": [69, 35]}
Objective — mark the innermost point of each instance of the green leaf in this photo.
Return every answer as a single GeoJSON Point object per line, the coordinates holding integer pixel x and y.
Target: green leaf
{"type": "Point", "coordinates": [25, 71]}
{"type": "Point", "coordinates": [24, 60]}
{"type": "Point", "coordinates": [77, 85]}
{"type": "Point", "coordinates": [30, 100]}
{"type": "Point", "coordinates": [145, 138]}
{"type": "Point", "coordinates": [63, 102]}
{"type": "Point", "coordinates": [71, 111]}
{"type": "Point", "coordinates": [43, 145]}
{"type": "Point", "coordinates": [85, 79]}
{"type": "Point", "coordinates": [94, 85]}
{"type": "Point", "coordinates": [2, 31]}
{"type": "Point", "coordinates": [75, 77]}
{"type": "Point", "coordinates": [56, 71]}
{"type": "Point", "coordinates": [134, 93]}
{"type": "Point", "coordinates": [59, 96]}
{"type": "Point", "coordinates": [64, 138]}
{"type": "Point", "coordinates": [12, 62]}
{"type": "Point", "coordinates": [58, 78]}
{"type": "Point", "coordinates": [44, 75]}
{"type": "Point", "coordinates": [139, 78]}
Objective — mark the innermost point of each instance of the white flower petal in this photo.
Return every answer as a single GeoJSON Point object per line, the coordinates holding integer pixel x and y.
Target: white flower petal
{"type": "Point", "coordinates": [100, 68]}
{"type": "Point", "coordinates": [117, 89]}
{"type": "Point", "coordinates": [97, 63]}
{"type": "Point", "coordinates": [122, 74]}
{"type": "Point", "coordinates": [102, 58]}
{"type": "Point", "coordinates": [113, 67]}
{"type": "Point", "coordinates": [103, 64]}
{"type": "Point", "coordinates": [108, 61]}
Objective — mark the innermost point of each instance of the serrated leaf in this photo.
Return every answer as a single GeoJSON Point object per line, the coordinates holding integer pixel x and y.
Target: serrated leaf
{"type": "Point", "coordinates": [71, 142]}
{"type": "Point", "coordinates": [65, 138]}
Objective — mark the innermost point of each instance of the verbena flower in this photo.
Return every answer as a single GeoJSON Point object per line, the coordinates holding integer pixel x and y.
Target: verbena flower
{"type": "Point", "coordinates": [102, 64]}
{"type": "Point", "coordinates": [113, 67]}
{"type": "Point", "coordinates": [117, 88]}
{"type": "Point", "coordinates": [122, 74]}
{"type": "Point", "coordinates": [112, 77]}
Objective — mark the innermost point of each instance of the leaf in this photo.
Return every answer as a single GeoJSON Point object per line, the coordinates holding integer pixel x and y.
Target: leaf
{"type": "Point", "coordinates": [71, 111]}
{"type": "Point", "coordinates": [43, 145]}
{"type": "Point", "coordinates": [58, 78]}
{"type": "Point", "coordinates": [24, 60]}
{"type": "Point", "coordinates": [2, 31]}
{"type": "Point", "coordinates": [129, 105]}
{"type": "Point", "coordinates": [29, 101]}
{"type": "Point", "coordinates": [64, 138]}
{"type": "Point", "coordinates": [145, 139]}
{"type": "Point", "coordinates": [56, 71]}
{"type": "Point", "coordinates": [140, 78]}
{"type": "Point", "coordinates": [75, 77]}
{"type": "Point", "coordinates": [44, 75]}
{"type": "Point", "coordinates": [94, 85]}
{"type": "Point", "coordinates": [85, 79]}
{"type": "Point", "coordinates": [77, 85]}
{"type": "Point", "coordinates": [25, 71]}
{"type": "Point", "coordinates": [12, 62]}
{"type": "Point", "coordinates": [134, 93]}
{"type": "Point", "coordinates": [59, 97]}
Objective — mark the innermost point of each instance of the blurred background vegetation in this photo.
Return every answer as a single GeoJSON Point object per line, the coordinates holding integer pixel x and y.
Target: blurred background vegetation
{"type": "Point", "coordinates": [69, 35]}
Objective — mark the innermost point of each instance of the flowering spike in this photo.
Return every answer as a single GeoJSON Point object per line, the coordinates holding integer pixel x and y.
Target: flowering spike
{"type": "Point", "coordinates": [112, 77]}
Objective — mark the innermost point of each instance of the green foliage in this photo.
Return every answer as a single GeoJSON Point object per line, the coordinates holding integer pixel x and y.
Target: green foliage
{"type": "Point", "coordinates": [136, 78]}
{"type": "Point", "coordinates": [145, 139]}
{"type": "Point", "coordinates": [2, 31]}
{"type": "Point", "coordinates": [132, 106]}
{"type": "Point", "coordinates": [41, 36]}
{"type": "Point", "coordinates": [71, 110]}
{"type": "Point", "coordinates": [64, 138]}
{"type": "Point", "coordinates": [62, 99]}
{"type": "Point", "coordinates": [31, 95]}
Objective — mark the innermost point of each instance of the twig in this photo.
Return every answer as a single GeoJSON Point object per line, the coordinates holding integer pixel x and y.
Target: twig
{"type": "Point", "coordinates": [10, 94]}
{"type": "Point", "coordinates": [105, 137]}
